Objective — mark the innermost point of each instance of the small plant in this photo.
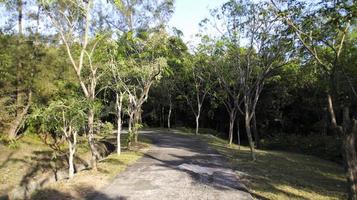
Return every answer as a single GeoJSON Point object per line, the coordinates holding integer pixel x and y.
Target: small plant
{"type": "Point", "coordinates": [13, 144]}
{"type": "Point", "coordinates": [129, 139]}
{"type": "Point", "coordinates": [4, 139]}
{"type": "Point", "coordinates": [106, 128]}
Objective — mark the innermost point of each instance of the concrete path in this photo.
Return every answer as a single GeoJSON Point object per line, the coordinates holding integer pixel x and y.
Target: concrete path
{"type": "Point", "coordinates": [176, 167]}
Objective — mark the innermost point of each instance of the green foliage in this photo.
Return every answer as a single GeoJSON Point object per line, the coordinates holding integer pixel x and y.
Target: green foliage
{"type": "Point", "coordinates": [106, 129]}
{"type": "Point", "coordinates": [11, 143]}
{"type": "Point", "coordinates": [59, 116]}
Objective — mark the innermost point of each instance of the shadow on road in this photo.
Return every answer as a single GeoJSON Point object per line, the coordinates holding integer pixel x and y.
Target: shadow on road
{"type": "Point", "coordinates": [204, 165]}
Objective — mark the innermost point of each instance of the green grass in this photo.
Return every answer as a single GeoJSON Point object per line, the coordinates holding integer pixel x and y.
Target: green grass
{"type": "Point", "coordinates": [31, 156]}
{"type": "Point", "coordinates": [282, 175]}
{"type": "Point", "coordinates": [15, 163]}
{"type": "Point", "coordinates": [89, 181]}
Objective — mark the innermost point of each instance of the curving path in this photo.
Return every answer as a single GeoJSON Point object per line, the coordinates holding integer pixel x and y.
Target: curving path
{"type": "Point", "coordinates": [176, 167]}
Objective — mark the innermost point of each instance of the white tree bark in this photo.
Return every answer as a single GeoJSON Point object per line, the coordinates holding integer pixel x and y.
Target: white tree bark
{"type": "Point", "coordinates": [169, 115]}
{"type": "Point", "coordinates": [72, 150]}
{"type": "Point", "coordinates": [119, 104]}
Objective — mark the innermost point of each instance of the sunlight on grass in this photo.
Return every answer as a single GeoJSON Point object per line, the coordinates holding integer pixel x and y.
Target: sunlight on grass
{"type": "Point", "coordinates": [114, 163]}
{"type": "Point", "coordinates": [283, 175]}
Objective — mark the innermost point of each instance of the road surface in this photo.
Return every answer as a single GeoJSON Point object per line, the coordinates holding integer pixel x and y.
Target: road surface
{"type": "Point", "coordinates": [176, 167]}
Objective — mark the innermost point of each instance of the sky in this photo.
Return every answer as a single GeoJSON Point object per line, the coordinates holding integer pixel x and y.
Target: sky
{"type": "Point", "coordinates": [189, 13]}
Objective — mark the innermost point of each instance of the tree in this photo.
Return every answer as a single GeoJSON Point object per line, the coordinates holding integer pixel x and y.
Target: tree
{"type": "Point", "coordinates": [230, 89]}
{"type": "Point", "coordinates": [24, 42]}
{"type": "Point", "coordinates": [117, 80]}
{"type": "Point", "coordinates": [196, 81]}
{"type": "Point", "coordinates": [264, 51]}
{"type": "Point", "coordinates": [322, 34]}
{"type": "Point", "coordinates": [72, 20]}
{"type": "Point", "coordinates": [63, 118]}
{"type": "Point", "coordinates": [143, 60]}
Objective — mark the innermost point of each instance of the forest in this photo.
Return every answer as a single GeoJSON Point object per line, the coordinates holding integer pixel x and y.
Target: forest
{"type": "Point", "coordinates": [275, 76]}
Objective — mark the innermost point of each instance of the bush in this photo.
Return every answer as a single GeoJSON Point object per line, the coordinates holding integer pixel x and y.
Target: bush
{"type": "Point", "coordinates": [11, 143]}
{"type": "Point", "coordinates": [107, 129]}
{"type": "Point", "coordinates": [326, 147]}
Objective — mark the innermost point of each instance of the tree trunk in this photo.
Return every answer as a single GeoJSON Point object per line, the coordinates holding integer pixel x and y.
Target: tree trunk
{"type": "Point", "coordinates": [335, 128]}
{"type": "Point", "coordinates": [351, 161]}
{"type": "Point", "coordinates": [231, 126]}
{"type": "Point", "coordinates": [163, 116]}
{"type": "Point", "coordinates": [331, 111]}
{"type": "Point", "coordinates": [255, 132]}
{"type": "Point", "coordinates": [95, 155]}
{"type": "Point", "coordinates": [70, 161]}
{"type": "Point", "coordinates": [135, 125]}
{"type": "Point", "coordinates": [72, 150]}
{"type": "Point", "coordinates": [169, 116]}
{"type": "Point", "coordinates": [198, 118]}
{"type": "Point", "coordinates": [249, 135]}
{"type": "Point", "coordinates": [119, 103]}
{"type": "Point", "coordinates": [130, 123]}
{"type": "Point", "coordinates": [15, 126]}
{"type": "Point", "coordinates": [197, 123]}
{"type": "Point", "coordinates": [238, 135]}
{"type": "Point", "coordinates": [19, 114]}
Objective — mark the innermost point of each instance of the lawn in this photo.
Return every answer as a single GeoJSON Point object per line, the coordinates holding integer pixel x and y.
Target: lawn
{"type": "Point", "coordinates": [30, 157]}
{"type": "Point", "coordinates": [282, 175]}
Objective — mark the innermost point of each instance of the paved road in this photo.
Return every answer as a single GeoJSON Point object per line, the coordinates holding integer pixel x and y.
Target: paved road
{"type": "Point", "coordinates": [176, 167]}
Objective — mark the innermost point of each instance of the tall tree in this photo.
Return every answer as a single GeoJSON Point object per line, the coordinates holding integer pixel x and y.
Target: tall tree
{"type": "Point", "coordinates": [143, 60]}
{"type": "Point", "coordinates": [72, 20]}
{"type": "Point", "coordinates": [322, 34]}
{"type": "Point", "coordinates": [197, 81]}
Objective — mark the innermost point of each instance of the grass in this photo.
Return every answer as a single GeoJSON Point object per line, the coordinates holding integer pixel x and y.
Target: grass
{"type": "Point", "coordinates": [88, 182]}
{"type": "Point", "coordinates": [31, 157]}
{"type": "Point", "coordinates": [282, 175]}
{"type": "Point", "coordinates": [16, 162]}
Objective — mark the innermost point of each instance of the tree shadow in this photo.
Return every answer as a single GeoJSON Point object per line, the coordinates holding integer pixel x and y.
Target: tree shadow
{"type": "Point", "coordinates": [220, 175]}
{"type": "Point", "coordinates": [292, 175]}
{"type": "Point", "coordinates": [204, 164]}
{"type": "Point", "coordinates": [86, 194]}
{"type": "Point", "coordinates": [44, 167]}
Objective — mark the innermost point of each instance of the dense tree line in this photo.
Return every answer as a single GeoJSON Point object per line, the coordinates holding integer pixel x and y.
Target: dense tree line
{"type": "Point", "coordinates": [275, 70]}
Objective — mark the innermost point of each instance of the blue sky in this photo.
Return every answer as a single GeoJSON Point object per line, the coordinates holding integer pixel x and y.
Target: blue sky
{"type": "Point", "coordinates": [188, 13]}
{"type": "Point", "coordinates": [187, 16]}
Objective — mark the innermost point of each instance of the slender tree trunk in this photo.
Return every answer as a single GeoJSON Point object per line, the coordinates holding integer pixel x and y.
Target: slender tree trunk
{"type": "Point", "coordinates": [130, 123]}
{"type": "Point", "coordinates": [119, 103]}
{"type": "Point", "coordinates": [19, 65]}
{"type": "Point", "coordinates": [169, 116]}
{"type": "Point", "coordinates": [72, 150]}
{"type": "Point", "coordinates": [255, 132]}
{"type": "Point", "coordinates": [197, 123]}
{"type": "Point", "coordinates": [231, 126]}
{"type": "Point", "coordinates": [331, 111]}
{"type": "Point", "coordinates": [351, 161]}
{"type": "Point", "coordinates": [16, 124]}
{"type": "Point", "coordinates": [163, 116]}
{"type": "Point", "coordinates": [70, 161]}
{"type": "Point", "coordinates": [95, 155]}
{"type": "Point", "coordinates": [335, 127]}
{"type": "Point", "coordinates": [249, 134]}
{"type": "Point", "coordinates": [238, 134]}
{"type": "Point", "coordinates": [19, 113]}
{"type": "Point", "coordinates": [130, 128]}
{"type": "Point", "coordinates": [198, 118]}
{"type": "Point", "coordinates": [135, 125]}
